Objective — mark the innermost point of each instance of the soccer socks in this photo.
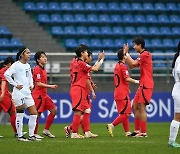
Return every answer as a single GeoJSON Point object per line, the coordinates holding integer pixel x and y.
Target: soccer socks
{"type": "Point", "coordinates": [126, 125]}
{"type": "Point", "coordinates": [49, 121]}
{"type": "Point", "coordinates": [86, 122]}
{"type": "Point", "coordinates": [174, 127]}
{"type": "Point", "coordinates": [37, 125]}
{"type": "Point", "coordinates": [13, 122]}
{"type": "Point", "coordinates": [119, 119]}
{"type": "Point", "coordinates": [75, 123]}
{"type": "Point", "coordinates": [32, 124]}
{"type": "Point", "coordinates": [19, 123]}
{"type": "Point", "coordinates": [143, 126]}
{"type": "Point", "coordinates": [137, 124]}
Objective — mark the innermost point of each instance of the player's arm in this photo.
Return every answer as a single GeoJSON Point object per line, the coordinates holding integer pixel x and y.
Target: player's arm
{"type": "Point", "coordinates": [3, 85]}
{"type": "Point", "coordinates": [99, 63]}
{"type": "Point", "coordinates": [31, 81]}
{"type": "Point", "coordinates": [88, 83]}
{"type": "Point", "coordinates": [128, 79]}
{"type": "Point", "coordinates": [40, 84]}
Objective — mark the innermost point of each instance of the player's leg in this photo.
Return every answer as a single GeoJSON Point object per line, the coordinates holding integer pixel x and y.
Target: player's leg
{"type": "Point", "coordinates": [37, 127]}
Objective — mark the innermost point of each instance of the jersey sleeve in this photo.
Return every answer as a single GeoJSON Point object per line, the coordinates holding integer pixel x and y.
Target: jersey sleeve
{"type": "Point", "coordinates": [2, 75]}
{"type": "Point", "coordinates": [37, 74]}
{"type": "Point", "coordinates": [85, 67]}
{"type": "Point", "coordinates": [178, 67]}
{"type": "Point", "coordinates": [142, 58]}
{"type": "Point", "coordinates": [125, 72]}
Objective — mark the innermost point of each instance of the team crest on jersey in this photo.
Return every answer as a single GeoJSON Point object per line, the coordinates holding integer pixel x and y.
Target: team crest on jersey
{"type": "Point", "coordinates": [138, 58]}
{"type": "Point", "coordinates": [127, 73]}
{"type": "Point", "coordinates": [38, 76]}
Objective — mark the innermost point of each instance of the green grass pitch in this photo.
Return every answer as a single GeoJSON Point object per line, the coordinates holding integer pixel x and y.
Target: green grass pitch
{"type": "Point", "coordinates": [156, 143]}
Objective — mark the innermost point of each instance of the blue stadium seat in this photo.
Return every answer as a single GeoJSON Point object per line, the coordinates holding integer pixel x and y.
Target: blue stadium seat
{"type": "Point", "coordinates": [108, 43]}
{"type": "Point", "coordinates": [178, 6]}
{"type": "Point", "coordinates": [125, 7]}
{"type": "Point", "coordinates": [160, 7]}
{"type": "Point", "coordinates": [80, 18]}
{"type": "Point", "coordinates": [163, 19]}
{"type": "Point", "coordinates": [130, 31]}
{"type": "Point", "coordinates": [151, 19]}
{"type": "Point", "coordinates": [69, 30]}
{"type": "Point", "coordinates": [41, 6]}
{"type": "Point", "coordinates": [83, 41]}
{"type": "Point", "coordinates": [78, 6]}
{"type": "Point", "coordinates": [104, 18]}
{"type": "Point", "coordinates": [136, 7]}
{"type": "Point", "coordinates": [174, 19]}
{"type": "Point", "coordinates": [113, 6]}
{"type": "Point", "coordinates": [94, 30]}
{"type": "Point", "coordinates": [119, 43]}
{"type": "Point", "coordinates": [101, 6]}
{"type": "Point", "coordinates": [56, 18]}
{"type": "Point", "coordinates": [54, 6]}
{"type": "Point", "coordinates": [82, 30]}
{"type": "Point", "coordinates": [140, 19]}
{"type": "Point", "coordinates": [148, 7]}
{"type": "Point", "coordinates": [71, 43]}
{"type": "Point", "coordinates": [176, 41]}
{"type": "Point", "coordinates": [128, 18]}
{"type": "Point", "coordinates": [95, 43]}
{"type": "Point", "coordinates": [142, 31]}
{"type": "Point", "coordinates": [160, 57]}
{"type": "Point", "coordinates": [92, 18]}
{"type": "Point", "coordinates": [156, 43]}
{"type": "Point", "coordinates": [147, 43]}
{"type": "Point", "coordinates": [106, 30]}
{"type": "Point", "coordinates": [159, 65]}
{"type": "Point", "coordinates": [171, 7]}
{"type": "Point", "coordinates": [43, 18]}
{"type": "Point", "coordinates": [57, 30]}
{"type": "Point", "coordinates": [168, 43]}
{"type": "Point", "coordinates": [154, 31]}
{"type": "Point", "coordinates": [66, 6]}
{"type": "Point", "coordinates": [15, 42]}
{"type": "Point", "coordinates": [90, 6]}
{"type": "Point", "coordinates": [4, 31]}
{"type": "Point", "coordinates": [118, 31]}
{"type": "Point", "coordinates": [29, 6]}
{"type": "Point", "coordinates": [176, 31]}
{"type": "Point", "coordinates": [130, 42]}
{"type": "Point", "coordinates": [165, 31]}
{"type": "Point", "coordinates": [116, 18]}
{"type": "Point", "coordinates": [68, 18]}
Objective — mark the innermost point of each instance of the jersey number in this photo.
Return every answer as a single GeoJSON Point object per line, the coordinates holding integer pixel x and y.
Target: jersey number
{"type": "Point", "coordinates": [118, 80]}
{"type": "Point", "coordinates": [75, 76]}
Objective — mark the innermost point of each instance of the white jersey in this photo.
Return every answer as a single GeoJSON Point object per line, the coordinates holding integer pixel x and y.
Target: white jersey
{"type": "Point", "coordinates": [22, 75]}
{"type": "Point", "coordinates": [176, 70]}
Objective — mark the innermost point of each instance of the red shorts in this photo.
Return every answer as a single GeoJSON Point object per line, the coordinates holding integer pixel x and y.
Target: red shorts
{"type": "Point", "coordinates": [7, 104]}
{"type": "Point", "coordinates": [79, 98]}
{"type": "Point", "coordinates": [43, 103]}
{"type": "Point", "coordinates": [143, 95]}
{"type": "Point", "coordinates": [124, 106]}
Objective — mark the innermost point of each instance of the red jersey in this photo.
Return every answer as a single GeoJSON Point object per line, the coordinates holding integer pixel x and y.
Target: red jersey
{"type": "Point", "coordinates": [120, 83]}
{"type": "Point", "coordinates": [78, 71]}
{"type": "Point", "coordinates": [146, 69]}
{"type": "Point", "coordinates": [71, 67]}
{"type": "Point", "coordinates": [39, 75]}
{"type": "Point", "coordinates": [90, 79]}
{"type": "Point", "coordinates": [2, 78]}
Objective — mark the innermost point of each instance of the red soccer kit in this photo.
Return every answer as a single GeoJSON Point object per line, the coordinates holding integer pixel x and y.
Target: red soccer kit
{"type": "Point", "coordinates": [121, 92]}
{"type": "Point", "coordinates": [42, 101]}
{"type": "Point", "coordinates": [78, 71]}
{"type": "Point", "coordinates": [145, 90]}
{"type": "Point", "coordinates": [6, 104]}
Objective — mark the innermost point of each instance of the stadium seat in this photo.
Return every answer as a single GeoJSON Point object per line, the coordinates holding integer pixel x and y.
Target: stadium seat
{"type": "Point", "coordinates": [178, 6]}
{"type": "Point", "coordinates": [130, 42]}
{"type": "Point", "coordinates": [71, 43]}
{"type": "Point", "coordinates": [54, 6]}
{"type": "Point", "coordinates": [119, 43]}
{"type": "Point", "coordinates": [83, 41]}
{"type": "Point", "coordinates": [148, 7]}
{"type": "Point", "coordinates": [160, 7]}
{"type": "Point", "coordinates": [125, 7]}
{"type": "Point", "coordinates": [130, 31]}
{"type": "Point", "coordinates": [90, 6]}
{"type": "Point", "coordinates": [29, 6]}
{"type": "Point", "coordinates": [82, 30]}
{"type": "Point", "coordinates": [176, 31]}
{"type": "Point", "coordinates": [136, 7]}
{"type": "Point", "coordinates": [116, 18]}
{"type": "Point", "coordinates": [93, 30]}
{"type": "Point", "coordinates": [56, 18]}
{"type": "Point", "coordinates": [128, 18]}
{"type": "Point", "coordinates": [106, 30]}
{"type": "Point", "coordinates": [101, 6]}
{"type": "Point", "coordinates": [171, 7]}
{"type": "Point", "coordinates": [168, 43]}
{"type": "Point", "coordinates": [95, 43]}
{"type": "Point", "coordinates": [174, 19]}
{"type": "Point", "coordinates": [163, 19]}
{"type": "Point", "coordinates": [41, 6]}
{"type": "Point", "coordinates": [92, 18]}
{"type": "Point", "coordinates": [43, 18]}
{"type": "Point", "coordinates": [69, 30]}
{"type": "Point", "coordinates": [57, 30]}
{"type": "Point", "coordinates": [4, 31]}
{"type": "Point", "coordinates": [80, 18]}
{"type": "Point", "coordinates": [113, 6]}
{"type": "Point", "coordinates": [66, 6]}
{"type": "Point", "coordinates": [68, 18]}
{"type": "Point", "coordinates": [142, 31]}
{"type": "Point", "coordinates": [147, 43]}
{"type": "Point", "coordinates": [159, 57]}
{"type": "Point", "coordinates": [78, 6]}
{"type": "Point", "coordinates": [176, 41]}
{"type": "Point", "coordinates": [118, 31]}
{"type": "Point", "coordinates": [108, 43]}
{"type": "Point", "coordinates": [165, 31]}
{"type": "Point", "coordinates": [151, 19]}
{"type": "Point", "coordinates": [154, 31]}
{"type": "Point", "coordinates": [15, 42]}
{"type": "Point", "coordinates": [156, 43]}
{"type": "Point", "coordinates": [140, 19]}
{"type": "Point", "coordinates": [159, 65]}
{"type": "Point", "coordinates": [104, 18]}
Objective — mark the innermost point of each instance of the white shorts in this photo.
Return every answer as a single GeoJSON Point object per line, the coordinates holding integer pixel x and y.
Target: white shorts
{"type": "Point", "coordinates": [176, 97]}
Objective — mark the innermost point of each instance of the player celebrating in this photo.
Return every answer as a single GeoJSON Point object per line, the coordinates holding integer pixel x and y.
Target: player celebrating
{"type": "Point", "coordinates": [42, 101]}
{"type": "Point", "coordinates": [78, 93]}
{"type": "Point", "coordinates": [174, 127]}
{"type": "Point", "coordinates": [145, 90]}
{"type": "Point", "coordinates": [121, 94]}
{"type": "Point", "coordinates": [23, 83]}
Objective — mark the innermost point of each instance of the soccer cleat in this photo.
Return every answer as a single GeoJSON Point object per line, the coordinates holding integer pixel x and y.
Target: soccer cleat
{"type": "Point", "coordinates": [173, 144]}
{"type": "Point", "coordinates": [48, 133]}
{"type": "Point", "coordinates": [134, 134]}
{"type": "Point", "coordinates": [78, 136]}
{"type": "Point", "coordinates": [141, 135]}
{"type": "Point", "coordinates": [110, 129]}
{"type": "Point", "coordinates": [16, 134]}
{"type": "Point", "coordinates": [128, 134]}
{"type": "Point", "coordinates": [33, 138]}
{"type": "Point", "coordinates": [90, 135]}
{"type": "Point", "coordinates": [1, 136]}
{"type": "Point", "coordinates": [38, 136]}
{"type": "Point", "coordinates": [67, 131]}
{"type": "Point", "coordinates": [22, 138]}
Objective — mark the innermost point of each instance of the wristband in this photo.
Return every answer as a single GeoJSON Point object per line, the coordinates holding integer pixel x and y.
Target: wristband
{"type": "Point", "coordinates": [101, 61]}
{"type": "Point", "coordinates": [136, 81]}
{"type": "Point", "coordinates": [96, 62]}
{"type": "Point", "coordinates": [127, 54]}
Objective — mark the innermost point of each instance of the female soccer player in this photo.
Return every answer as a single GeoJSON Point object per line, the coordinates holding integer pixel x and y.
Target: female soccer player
{"type": "Point", "coordinates": [42, 100]}
{"type": "Point", "coordinates": [23, 83]}
{"type": "Point", "coordinates": [121, 94]}
{"type": "Point", "coordinates": [174, 127]}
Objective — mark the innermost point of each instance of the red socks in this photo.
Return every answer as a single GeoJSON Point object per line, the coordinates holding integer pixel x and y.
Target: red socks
{"type": "Point", "coordinates": [143, 126]}
{"type": "Point", "coordinates": [13, 122]}
{"type": "Point", "coordinates": [137, 124]}
{"type": "Point", "coordinates": [49, 121]}
{"type": "Point", "coordinates": [75, 123]}
{"type": "Point", "coordinates": [119, 119]}
{"type": "Point", "coordinates": [37, 124]}
{"type": "Point", "coordinates": [126, 125]}
{"type": "Point", "coordinates": [85, 124]}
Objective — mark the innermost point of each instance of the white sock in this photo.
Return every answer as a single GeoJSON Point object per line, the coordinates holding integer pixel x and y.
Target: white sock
{"type": "Point", "coordinates": [19, 124]}
{"type": "Point", "coordinates": [32, 124]}
{"type": "Point", "coordinates": [174, 127]}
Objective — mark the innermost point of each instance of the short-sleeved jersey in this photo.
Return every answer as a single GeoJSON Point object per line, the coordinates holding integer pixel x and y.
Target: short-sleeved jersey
{"type": "Point", "coordinates": [176, 70]}
{"type": "Point", "coordinates": [39, 75]}
{"type": "Point", "coordinates": [121, 85]}
{"type": "Point", "coordinates": [2, 78]}
{"type": "Point", "coordinates": [90, 79]}
{"type": "Point", "coordinates": [78, 71]}
{"type": "Point", "coordinates": [146, 69]}
{"type": "Point", "coordinates": [71, 67]}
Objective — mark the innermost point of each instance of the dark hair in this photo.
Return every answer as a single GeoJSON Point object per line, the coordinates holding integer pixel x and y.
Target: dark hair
{"type": "Point", "coordinates": [139, 40]}
{"type": "Point", "coordinates": [176, 55]}
{"type": "Point", "coordinates": [6, 61]}
{"type": "Point", "coordinates": [89, 53]}
{"type": "Point", "coordinates": [81, 48]}
{"type": "Point", "coordinates": [120, 54]}
{"type": "Point", "coordinates": [21, 50]}
{"type": "Point", "coordinates": [37, 56]}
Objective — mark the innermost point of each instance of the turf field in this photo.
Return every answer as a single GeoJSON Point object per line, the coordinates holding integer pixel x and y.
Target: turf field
{"type": "Point", "coordinates": [156, 143]}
